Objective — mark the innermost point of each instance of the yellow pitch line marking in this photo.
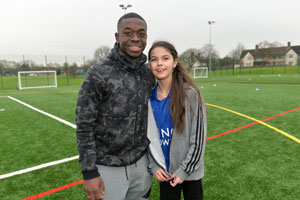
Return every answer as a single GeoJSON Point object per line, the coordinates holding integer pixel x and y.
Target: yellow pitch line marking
{"type": "Point", "coordinates": [258, 121]}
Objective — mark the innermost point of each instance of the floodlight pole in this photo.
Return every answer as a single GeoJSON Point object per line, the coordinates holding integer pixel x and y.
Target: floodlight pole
{"type": "Point", "coordinates": [46, 64]}
{"type": "Point", "coordinates": [84, 64]}
{"type": "Point", "coordinates": [23, 59]}
{"type": "Point", "coordinates": [210, 23]}
{"type": "Point", "coordinates": [125, 7]}
{"type": "Point", "coordinates": [67, 69]}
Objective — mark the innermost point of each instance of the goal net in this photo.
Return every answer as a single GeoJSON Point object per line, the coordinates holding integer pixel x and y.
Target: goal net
{"type": "Point", "coordinates": [200, 72]}
{"type": "Point", "coordinates": [36, 79]}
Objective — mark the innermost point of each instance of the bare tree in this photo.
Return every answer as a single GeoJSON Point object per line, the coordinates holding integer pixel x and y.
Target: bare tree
{"type": "Point", "coordinates": [189, 56]}
{"type": "Point", "coordinates": [207, 48]}
{"type": "Point", "coordinates": [236, 52]}
{"type": "Point", "coordinates": [266, 44]}
{"type": "Point", "coordinates": [101, 53]}
{"type": "Point", "coordinates": [210, 49]}
{"type": "Point", "coordinates": [72, 69]}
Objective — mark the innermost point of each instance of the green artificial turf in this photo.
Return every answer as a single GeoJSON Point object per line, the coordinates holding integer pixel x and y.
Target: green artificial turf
{"type": "Point", "coordinates": [255, 162]}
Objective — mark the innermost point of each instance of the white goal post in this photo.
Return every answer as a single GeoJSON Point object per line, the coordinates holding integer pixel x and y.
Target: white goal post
{"type": "Point", "coordinates": [36, 79]}
{"type": "Point", "coordinates": [200, 72]}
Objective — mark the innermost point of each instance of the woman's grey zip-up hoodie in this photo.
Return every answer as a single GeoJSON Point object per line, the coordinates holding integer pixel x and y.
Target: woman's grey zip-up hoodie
{"type": "Point", "coordinates": [187, 148]}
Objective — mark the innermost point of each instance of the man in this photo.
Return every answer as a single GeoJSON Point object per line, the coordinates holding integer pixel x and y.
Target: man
{"type": "Point", "coordinates": [111, 117]}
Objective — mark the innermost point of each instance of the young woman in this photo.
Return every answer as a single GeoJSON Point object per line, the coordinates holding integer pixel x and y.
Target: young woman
{"type": "Point", "coordinates": [176, 126]}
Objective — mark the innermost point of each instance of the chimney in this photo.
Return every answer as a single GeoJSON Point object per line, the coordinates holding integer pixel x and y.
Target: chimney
{"type": "Point", "coordinates": [289, 44]}
{"type": "Point", "coordinates": [256, 46]}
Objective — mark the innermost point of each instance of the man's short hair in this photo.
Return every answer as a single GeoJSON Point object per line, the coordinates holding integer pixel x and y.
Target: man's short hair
{"type": "Point", "coordinates": [130, 15]}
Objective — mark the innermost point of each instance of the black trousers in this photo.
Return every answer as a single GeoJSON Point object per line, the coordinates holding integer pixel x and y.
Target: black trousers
{"type": "Point", "coordinates": [192, 190]}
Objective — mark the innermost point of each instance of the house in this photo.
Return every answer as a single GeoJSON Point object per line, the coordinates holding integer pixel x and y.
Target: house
{"type": "Point", "coordinates": [273, 56]}
{"type": "Point", "coordinates": [198, 64]}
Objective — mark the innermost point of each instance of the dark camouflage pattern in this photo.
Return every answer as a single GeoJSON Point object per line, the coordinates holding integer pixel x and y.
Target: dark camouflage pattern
{"type": "Point", "coordinates": [111, 113]}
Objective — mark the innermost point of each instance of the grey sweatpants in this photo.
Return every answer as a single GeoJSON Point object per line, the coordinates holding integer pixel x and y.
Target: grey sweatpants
{"type": "Point", "coordinates": [132, 182]}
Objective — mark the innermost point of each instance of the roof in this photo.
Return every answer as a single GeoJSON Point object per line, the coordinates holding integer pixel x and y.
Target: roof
{"type": "Point", "coordinates": [296, 49]}
{"type": "Point", "coordinates": [270, 52]}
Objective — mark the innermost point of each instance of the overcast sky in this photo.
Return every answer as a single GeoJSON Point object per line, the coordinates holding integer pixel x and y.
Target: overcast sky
{"type": "Point", "coordinates": [78, 27]}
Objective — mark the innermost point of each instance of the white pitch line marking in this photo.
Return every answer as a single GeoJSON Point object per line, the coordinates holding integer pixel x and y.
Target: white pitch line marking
{"type": "Point", "coordinates": [45, 164]}
{"type": "Point", "coordinates": [1, 110]}
{"type": "Point", "coordinates": [43, 112]}
{"type": "Point", "coordinates": [37, 167]}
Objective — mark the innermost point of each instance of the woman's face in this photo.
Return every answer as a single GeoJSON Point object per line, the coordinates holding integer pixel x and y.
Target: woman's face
{"type": "Point", "coordinates": [162, 63]}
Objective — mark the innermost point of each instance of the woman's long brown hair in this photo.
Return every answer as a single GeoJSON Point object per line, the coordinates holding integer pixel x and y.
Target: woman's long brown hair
{"type": "Point", "coordinates": [181, 81]}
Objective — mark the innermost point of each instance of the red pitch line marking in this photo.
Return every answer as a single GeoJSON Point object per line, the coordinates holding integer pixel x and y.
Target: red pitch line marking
{"type": "Point", "coordinates": [226, 132]}
{"type": "Point", "coordinates": [209, 138]}
{"type": "Point", "coordinates": [53, 190]}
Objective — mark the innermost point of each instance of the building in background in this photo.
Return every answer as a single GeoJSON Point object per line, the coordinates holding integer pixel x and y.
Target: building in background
{"type": "Point", "coordinates": [273, 56]}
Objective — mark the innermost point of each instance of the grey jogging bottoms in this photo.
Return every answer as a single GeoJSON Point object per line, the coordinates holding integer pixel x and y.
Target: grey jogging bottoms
{"type": "Point", "coordinates": [131, 182]}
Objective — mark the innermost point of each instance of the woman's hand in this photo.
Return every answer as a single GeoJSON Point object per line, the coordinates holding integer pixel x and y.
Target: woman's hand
{"type": "Point", "coordinates": [176, 180]}
{"type": "Point", "coordinates": [161, 175]}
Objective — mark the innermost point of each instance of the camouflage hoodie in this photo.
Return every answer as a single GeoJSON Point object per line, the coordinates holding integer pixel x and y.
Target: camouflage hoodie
{"type": "Point", "coordinates": [111, 113]}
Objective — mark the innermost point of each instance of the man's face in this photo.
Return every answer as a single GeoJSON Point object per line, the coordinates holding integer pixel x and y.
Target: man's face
{"type": "Point", "coordinates": [132, 37]}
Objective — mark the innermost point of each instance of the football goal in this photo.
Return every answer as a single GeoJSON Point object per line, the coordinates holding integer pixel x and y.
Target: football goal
{"type": "Point", "coordinates": [36, 79]}
{"type": "Point", "coordinates": [200, 72]}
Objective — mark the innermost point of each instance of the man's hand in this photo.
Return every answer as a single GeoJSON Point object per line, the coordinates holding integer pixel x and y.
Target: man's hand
{"type": "Point", "coordinates": [94, 188]}
{"type": "Point", "coordinates": [161, 175]}
{"type": "Point", "coordinates": [176, 180]}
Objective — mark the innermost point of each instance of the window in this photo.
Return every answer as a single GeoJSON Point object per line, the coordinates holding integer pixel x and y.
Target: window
{"type": "Point", "coordinates": [290, 55]}
{"type": "Point", "coordinates": [290, 63]}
